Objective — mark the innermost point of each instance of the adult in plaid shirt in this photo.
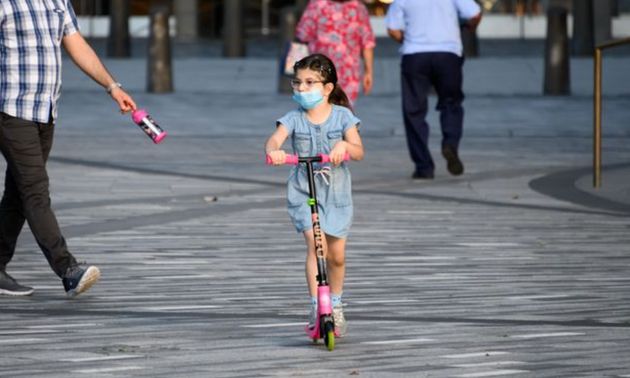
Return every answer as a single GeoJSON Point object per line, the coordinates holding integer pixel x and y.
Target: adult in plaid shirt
{"type": "Point", "coordinates": [31, 35]}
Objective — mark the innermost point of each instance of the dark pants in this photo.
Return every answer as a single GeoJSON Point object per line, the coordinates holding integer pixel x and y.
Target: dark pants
{"type": "Point", "coordinates": [25, 146]}
{"type": "Point", "coordinates": [419, 72]}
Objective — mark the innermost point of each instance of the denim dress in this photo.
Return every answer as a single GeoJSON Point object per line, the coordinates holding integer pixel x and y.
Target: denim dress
{"type": "Point", "coordinates": [332, 184]}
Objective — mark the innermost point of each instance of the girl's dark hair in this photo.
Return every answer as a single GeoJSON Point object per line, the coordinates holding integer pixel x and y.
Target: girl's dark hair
{"type": "Point", "coordinates": [326, 68]}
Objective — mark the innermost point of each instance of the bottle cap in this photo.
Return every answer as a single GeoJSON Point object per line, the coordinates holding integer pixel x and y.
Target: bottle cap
{"type": "Point", "coordinates": [138, 114]}
{"type": "Point", "coordinates": [160, 137]}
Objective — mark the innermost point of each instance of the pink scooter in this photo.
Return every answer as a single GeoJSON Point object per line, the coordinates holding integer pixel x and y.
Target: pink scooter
{"type": "Point", "coordinates": [325, 325]}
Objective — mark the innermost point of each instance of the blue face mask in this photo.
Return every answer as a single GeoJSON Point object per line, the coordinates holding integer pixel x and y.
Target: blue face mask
{"type": "Point", "coordinates": [308, 100]}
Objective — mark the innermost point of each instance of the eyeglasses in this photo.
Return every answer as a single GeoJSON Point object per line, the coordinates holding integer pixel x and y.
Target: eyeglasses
{"type": "Point", "coordinates": [295, 83]}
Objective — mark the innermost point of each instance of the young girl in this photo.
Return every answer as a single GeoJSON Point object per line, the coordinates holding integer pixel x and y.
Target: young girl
{"type": "Point", "coordinates": [323, 123]}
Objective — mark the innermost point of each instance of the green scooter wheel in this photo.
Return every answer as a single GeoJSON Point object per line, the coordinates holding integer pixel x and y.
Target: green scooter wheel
{"type": "Point", "coordinates": [329, 336]}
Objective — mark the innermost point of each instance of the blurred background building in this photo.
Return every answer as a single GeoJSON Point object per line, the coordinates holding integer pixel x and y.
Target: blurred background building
{"type": "Point", "coordinates": [204, 18]}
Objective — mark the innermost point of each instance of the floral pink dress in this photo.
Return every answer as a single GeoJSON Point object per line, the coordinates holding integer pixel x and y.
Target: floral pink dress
{"type": "Point", "coordinates": [339, 30]}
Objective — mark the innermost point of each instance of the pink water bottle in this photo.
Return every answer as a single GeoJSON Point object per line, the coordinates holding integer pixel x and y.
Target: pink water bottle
{"type": "Point", "coordinates": [148, 125]}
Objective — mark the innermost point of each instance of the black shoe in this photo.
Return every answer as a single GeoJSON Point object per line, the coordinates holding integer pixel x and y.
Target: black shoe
{"type": "Point", "coordinates": [78, 279]}
{"type": "Point", "coordinates": [422, 176]}
{"type": "Point", "coordinates": [9, 286]}
{"type": "Point", "coordinates": [453, 164]}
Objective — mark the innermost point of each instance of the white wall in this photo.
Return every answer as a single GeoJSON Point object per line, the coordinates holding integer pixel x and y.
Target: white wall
{"type": "Point", "coordinates": [508, 26]}
{"type": "Point", "coordinates": [99, 26]}
{"type": "Point", "coordinates": [492, 26]}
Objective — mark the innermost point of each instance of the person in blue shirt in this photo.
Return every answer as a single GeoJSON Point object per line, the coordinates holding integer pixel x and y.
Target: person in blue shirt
{"type": "Point", "coordinates": [429, 31]}
{"type": "Point", "coordinates": [323, 124]}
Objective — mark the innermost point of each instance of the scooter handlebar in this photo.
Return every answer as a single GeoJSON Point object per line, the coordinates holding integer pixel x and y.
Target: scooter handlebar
{"type": "Point", "coordinates": [295, 159]}
{"type": "Point", "coordinates": [326, 158]}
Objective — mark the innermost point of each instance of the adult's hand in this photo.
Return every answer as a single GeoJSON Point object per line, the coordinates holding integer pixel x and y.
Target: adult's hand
{"type": "Point", "coordinates": [367, 83]}
{"type": "Point", "coordinates": [124, 100]}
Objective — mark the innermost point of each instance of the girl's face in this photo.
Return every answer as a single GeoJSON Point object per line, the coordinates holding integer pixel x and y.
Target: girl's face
{"type": "Point", "coordinates": [307, 80]}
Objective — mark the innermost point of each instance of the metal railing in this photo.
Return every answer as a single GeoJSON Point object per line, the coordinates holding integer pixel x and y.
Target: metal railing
{"type": "Point", "coordinates": [597, 107]}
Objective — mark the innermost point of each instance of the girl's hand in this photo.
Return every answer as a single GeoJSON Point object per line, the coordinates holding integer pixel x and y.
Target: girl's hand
{"type": "Point", "coordinates": [278, 157]}
{"type": "Point", "coordinates": [338, 153]}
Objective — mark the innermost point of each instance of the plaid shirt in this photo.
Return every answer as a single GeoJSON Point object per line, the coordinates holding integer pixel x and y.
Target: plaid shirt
{"type": "Point", "coordinates": [30, 56]}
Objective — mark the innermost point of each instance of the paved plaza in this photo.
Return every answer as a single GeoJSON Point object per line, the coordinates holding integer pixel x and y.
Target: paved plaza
{"type": "Point", "coordinates": [518, 268]}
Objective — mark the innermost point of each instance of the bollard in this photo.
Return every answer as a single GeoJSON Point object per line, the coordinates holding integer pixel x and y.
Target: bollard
{"type": "Point", "coordinates": [159, 70]}
{"type": "Point", "coordinates": [602, 21]}
{"type": "Point", "coordinates": [233, 34]}
{"type": "Point", "coordinates": [582, 43]}
{"type": "Point", "coordinates": [118, 41]}
{"type": "Point", "coordinates": [288, 22]}
{"type": "Point", "coordinates": [557, 70]}
{"type": "Point", "coordinates": [187, 19]}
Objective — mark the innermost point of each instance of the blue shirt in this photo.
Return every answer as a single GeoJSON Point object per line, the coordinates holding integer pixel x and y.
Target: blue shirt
{"type": "Point", "coordinates": [31, 32]}
{"type": "Point", "coordinates": [430, 25]}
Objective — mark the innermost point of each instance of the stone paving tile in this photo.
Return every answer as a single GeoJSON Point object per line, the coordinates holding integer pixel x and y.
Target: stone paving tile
{"type": "Point", "coordinates": [475, 276]}
{"type": "Point", "coordinates": [436, 287]}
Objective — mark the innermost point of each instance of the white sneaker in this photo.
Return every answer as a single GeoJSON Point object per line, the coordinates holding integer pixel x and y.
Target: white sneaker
{"type": "Point", "coordinates": [312, 317]}
{"type": "Point", "coordinates": [341, 326]}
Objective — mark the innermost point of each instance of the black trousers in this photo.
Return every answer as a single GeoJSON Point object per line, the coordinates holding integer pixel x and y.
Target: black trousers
{"type": "Point", "coordinates": [420, 72]}
{"type": "Point", "coordinates": [25, 146]}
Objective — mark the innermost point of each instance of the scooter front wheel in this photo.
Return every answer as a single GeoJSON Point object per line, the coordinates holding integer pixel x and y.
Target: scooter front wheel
{"type": "Point", "coordinates": [329, 336]}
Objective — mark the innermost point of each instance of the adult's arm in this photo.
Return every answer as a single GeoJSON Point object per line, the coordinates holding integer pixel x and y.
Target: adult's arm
{"type": "Point", "coordinates": [368, 43]}
{"type": "Point", "coordinates": [396, 35]}
{"type": "Point", "coordinates": [473, 22]}
{"type": "Point", "coordinates": [395, 21]}
{"type": "Point", "coordinates": [470, 11]}
{"type": "Point", "coordinates": [86, 59]}
{"type": "Point", "coordinates": [368, 69]}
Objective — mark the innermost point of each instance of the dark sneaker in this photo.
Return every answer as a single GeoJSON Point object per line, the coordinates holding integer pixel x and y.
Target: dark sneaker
{"type": "Point", "coordinates": [453, 164]}
{"type": "Point", "coordinates": [78, 279]}
{"type": "Point", "coordinates": [9, 286]}
{"type": "Point", "coordinates": [422, 176]}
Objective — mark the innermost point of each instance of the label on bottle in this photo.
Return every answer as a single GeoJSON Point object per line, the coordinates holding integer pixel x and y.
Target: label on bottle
{"type": "Point", "coordinates": [154, 128]}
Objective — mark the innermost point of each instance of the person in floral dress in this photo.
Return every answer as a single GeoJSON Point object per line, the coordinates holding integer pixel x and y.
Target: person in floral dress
{"type": "Point", "coordinates": [340, 29]}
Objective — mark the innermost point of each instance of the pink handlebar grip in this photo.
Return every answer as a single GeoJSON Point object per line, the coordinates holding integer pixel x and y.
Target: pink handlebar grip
{"type": "Point", "coordinates": [294, 159]}
{"type": "Point", "coordinates": [289, 159]}
{"type": "Point", "coordinates": [326, 158]}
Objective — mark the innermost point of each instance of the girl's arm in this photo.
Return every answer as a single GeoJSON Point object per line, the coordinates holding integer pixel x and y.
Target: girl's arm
{"type": "Point", "coordinates": [274, 143]}
{"type": "Point", "coordinates": [351, 144]}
